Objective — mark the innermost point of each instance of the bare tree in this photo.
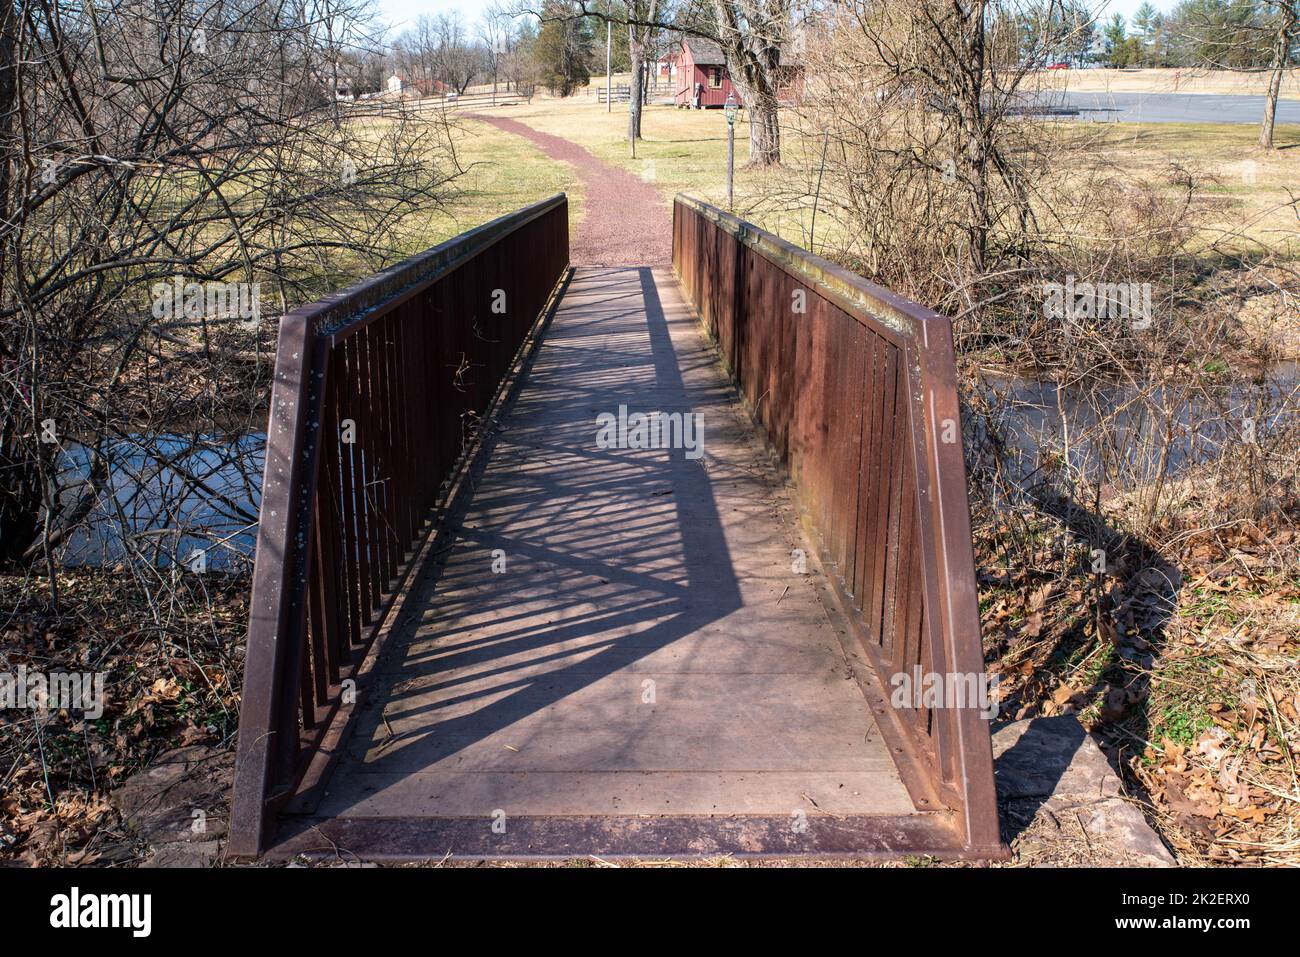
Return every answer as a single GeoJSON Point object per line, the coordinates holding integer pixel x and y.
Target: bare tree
{"type": "Point", "coordinates": [941, 101]}
{"type": "Point", "coordinates": [495, 28]}
{"type": "Point", "coordinates": [752, 34]}
{"type": "Point", "coordinates": [458, 59]}
{"type": "Point", "coordinates": [156, 161]}
{"type": "Point", "coordinates": [916, 112]}
{"type": "Point", "coordinates": [416, 56]}
{"type": "Point", "coordinates": [519, 65]}
{"type": "Point", "coordinates": [336, 29]}
{"type": "Point", "coordinates": [1287, 20]}
{"type": "Point", "coordinates": [642, 15]}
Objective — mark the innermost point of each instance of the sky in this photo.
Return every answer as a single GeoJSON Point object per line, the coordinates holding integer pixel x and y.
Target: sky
{"type": "Point", "coordinates": [400, 14]}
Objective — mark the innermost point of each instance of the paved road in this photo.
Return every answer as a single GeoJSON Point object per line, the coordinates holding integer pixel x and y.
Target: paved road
{"type": "Point", "coordinates": [1173, 107]}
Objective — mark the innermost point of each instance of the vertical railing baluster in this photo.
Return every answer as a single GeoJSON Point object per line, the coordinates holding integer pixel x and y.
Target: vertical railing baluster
{"type": "Point", "coordinates": [340, 518]}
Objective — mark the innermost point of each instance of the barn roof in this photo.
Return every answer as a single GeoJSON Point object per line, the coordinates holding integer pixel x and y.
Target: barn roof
{"type": "Point", "coordinates": [709, 53]}
{"type": "Point", "coordinates": [705, 52]}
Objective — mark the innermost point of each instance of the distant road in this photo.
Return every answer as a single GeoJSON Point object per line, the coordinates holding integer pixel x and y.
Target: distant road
{"type": "Point", "coordinates": [1171, 107]}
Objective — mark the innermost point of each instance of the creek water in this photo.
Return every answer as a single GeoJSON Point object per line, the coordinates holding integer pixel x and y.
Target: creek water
{"type": "Point", "coordinates": [170, 496]}
{"type": "Point", "coordinates": [1135, 429]}
{"type": "Point", "coordinates": [167, 498]}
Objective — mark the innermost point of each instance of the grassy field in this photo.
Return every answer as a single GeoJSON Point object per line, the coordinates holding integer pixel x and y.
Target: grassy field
{"type": "Point", "coordinates": [1248, 186]}
{"type": "Point", "coordinates": [481, 173]}
{"type": "Point", "coordinates": [502, 173]}
{"type": "Point", "coordinates": [682, 149]}
{"type": "Point", "coordinates": [1169, 81]}
{"type": "Point", "coordinates": [685, 151]}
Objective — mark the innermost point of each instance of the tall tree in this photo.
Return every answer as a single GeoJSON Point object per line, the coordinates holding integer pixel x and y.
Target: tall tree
{"type": "Point", "coordinates": [1287, 26]}
{"type": "Point", "coordinates": [641, 18]}
{"type": "Point", "coordinates": [564, 48]}
{"type": "Point", "coordinates": [496, 28]}
{"type": "Point", "coordinates": [1115, 37]}
{"type": "Point", "coordinates": [752, 34]}
{"type": "Point", "coordinates": [1146, 21]}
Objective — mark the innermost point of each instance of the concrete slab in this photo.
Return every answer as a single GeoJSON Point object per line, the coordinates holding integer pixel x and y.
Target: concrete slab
{"type": "Point", "coordinates": [1063, 803]}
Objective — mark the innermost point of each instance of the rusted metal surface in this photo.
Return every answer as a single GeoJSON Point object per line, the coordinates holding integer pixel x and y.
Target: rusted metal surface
{"type": "Point", "coordinates": [619, 836]}
{"type": "Point", "coordinates": [856, 393]}
{"type": "Point", "coordinates": [377, 389]}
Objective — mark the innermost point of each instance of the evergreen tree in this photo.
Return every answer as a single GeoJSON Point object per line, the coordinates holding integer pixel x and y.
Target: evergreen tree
{"type": "Point", "coordinates": [564, 48]}
{"type": "Point", "coordinates": [1114, 37]}
{"type": "Point", "coordinates": [1146, 21]}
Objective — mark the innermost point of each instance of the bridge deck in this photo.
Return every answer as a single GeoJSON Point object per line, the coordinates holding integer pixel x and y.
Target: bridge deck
{"type": "Point", "coordinates": [646, 650]}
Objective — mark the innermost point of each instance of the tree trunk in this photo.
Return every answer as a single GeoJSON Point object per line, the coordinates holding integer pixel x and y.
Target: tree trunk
{"type": "Point", "coordinates": [637, 50]}
{"type": "Point", "coordinates": [757, 87]}
{"type": "Point", "coordinates": [1281, 44]}
{"type": "Point", "coordinates": [334, 91]}
{"type": "Point", "coordinates": [751, 38]}
{"type": "Point", "coordinates": [764, 130]}
{"type": "Point", "coordinates": [20, 493]}
{"type": "Point", "coordinates": [639, 38]}
{"type": "Point", "coordinates": [970, 96]}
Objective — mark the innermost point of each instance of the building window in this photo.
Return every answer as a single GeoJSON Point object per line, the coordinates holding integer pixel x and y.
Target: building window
{"type": "Point", "coordinates": [715, 77]}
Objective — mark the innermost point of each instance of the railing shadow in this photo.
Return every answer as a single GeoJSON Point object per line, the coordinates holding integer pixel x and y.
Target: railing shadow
{"type": "Point", "coordinates": [609, 554]}
{"type": "Point", "coordinates": [1151, 593]}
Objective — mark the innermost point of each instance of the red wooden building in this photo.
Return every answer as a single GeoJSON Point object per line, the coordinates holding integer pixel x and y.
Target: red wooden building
{"type": "Point", "coordinates": [702, 71]}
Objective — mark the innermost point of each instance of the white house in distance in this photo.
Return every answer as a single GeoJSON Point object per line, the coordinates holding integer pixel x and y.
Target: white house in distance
{"type": "Point", "coordinates": [395, 84]}
{"type": "Point", "coordinates": [666, 68]}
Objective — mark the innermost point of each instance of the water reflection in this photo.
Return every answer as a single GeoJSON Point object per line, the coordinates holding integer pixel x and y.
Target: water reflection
{"type": "Point", "coordinates": [1109, 429]}
{"type": "Point", "coordinates": [167, 498]}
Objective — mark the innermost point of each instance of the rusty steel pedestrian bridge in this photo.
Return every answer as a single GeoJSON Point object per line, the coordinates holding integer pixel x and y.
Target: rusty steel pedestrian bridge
{"type": "Point", "coordinates": [479, 628]}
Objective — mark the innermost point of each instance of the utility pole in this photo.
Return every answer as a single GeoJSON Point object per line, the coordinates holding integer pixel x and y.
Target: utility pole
{"type": "Point", "coordinates": [609, 69]}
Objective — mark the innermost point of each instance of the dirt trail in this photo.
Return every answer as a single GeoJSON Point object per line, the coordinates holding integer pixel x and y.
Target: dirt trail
{"type": "Point", "coordinates": [626, 222]}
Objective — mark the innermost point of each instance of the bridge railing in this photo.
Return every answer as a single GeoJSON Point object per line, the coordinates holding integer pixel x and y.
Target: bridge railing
{"type": "Point", "coordinates": [376, 390]}
{"type": "Point", "coordinates": [855, 389]}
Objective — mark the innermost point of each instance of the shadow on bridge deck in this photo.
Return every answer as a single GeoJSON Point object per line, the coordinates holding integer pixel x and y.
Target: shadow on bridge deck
{"type": "Point", "coordinates": [616, 655]}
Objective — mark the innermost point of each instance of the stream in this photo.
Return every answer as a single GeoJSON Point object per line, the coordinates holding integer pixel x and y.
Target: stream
{"type": "Point", "coordinates": [172, 496]}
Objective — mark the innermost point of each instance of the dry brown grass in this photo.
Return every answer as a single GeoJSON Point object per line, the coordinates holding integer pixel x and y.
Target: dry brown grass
{"type": "Point", "coordinates": [1168, 80]}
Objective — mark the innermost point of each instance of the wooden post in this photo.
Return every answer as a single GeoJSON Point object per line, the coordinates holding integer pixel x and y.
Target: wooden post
{"type": "Point", "coordinates": [731, 160]}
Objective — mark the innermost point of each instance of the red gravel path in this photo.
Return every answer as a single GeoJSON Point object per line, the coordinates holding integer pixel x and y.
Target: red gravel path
{"type": "Point", "coordinates": [626, 221]}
